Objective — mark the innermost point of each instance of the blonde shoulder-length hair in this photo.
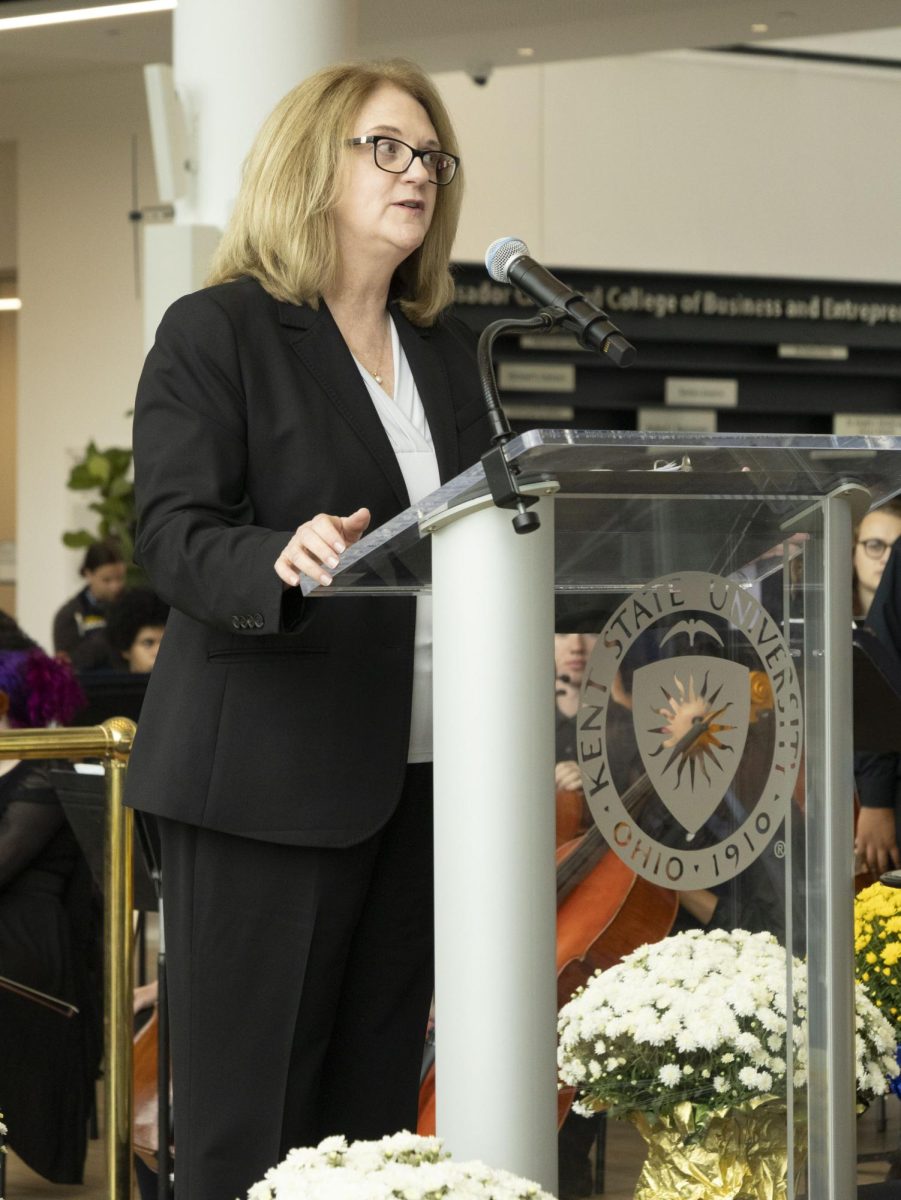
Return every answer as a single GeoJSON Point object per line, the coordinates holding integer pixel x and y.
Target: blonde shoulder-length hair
{"type": "Point", "coordinates": [281, 231]}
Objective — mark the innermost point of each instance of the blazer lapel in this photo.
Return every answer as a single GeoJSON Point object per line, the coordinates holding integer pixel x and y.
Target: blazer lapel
{"type": "Point", "coordinates": [434, 390]}
{"type": "Point", "coordinates": [324, 352]}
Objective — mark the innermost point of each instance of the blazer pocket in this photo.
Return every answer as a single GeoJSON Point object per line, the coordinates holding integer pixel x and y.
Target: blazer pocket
{"type": "Point", "coordinates": [263, 654]}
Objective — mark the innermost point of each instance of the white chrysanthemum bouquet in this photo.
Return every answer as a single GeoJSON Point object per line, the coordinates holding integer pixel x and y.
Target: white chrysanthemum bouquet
{"type": "Point", "coordinates": [701, 1018]}
{"type": "Point", "coordinates": [401, 1167]}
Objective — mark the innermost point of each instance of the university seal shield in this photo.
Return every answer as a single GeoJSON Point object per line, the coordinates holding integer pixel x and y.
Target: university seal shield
{"type": "Point", "coordinates": [671, 700]}
{"type": "Point", "coordinates": [699, 786]}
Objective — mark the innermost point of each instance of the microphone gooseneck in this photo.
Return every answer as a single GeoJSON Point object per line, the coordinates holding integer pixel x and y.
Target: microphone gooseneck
{"type": "Point", "coordinates": [507, 260]}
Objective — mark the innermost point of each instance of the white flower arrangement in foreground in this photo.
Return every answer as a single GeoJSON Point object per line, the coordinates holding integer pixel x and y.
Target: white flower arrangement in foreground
{"type": "Point", "coordinates": [701, 1017]}
{"type": "Point", "coordinates": [403, 1166]}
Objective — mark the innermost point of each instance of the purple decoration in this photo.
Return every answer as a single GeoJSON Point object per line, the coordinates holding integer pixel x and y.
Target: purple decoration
{"type": "Point", "coordinates": [41, 690]}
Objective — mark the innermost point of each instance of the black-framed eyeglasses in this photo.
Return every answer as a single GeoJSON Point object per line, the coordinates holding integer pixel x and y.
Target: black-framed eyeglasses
{"type": "Point", "coordinates": [395, 156]}
{"type": "Point", "coordinates": [875, 547]}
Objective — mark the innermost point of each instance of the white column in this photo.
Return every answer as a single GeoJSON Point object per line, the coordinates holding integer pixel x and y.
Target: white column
{"type": "Point", "coordinates": [495, 910]}
{"type": "Point", "coordinates": [233, 60]}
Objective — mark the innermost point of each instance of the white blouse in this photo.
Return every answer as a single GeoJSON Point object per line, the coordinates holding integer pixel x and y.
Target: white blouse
{"type": "Point", "coordinates": [405, 423]}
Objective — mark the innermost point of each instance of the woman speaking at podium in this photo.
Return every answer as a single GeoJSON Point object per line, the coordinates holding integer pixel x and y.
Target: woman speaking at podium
{"type": "Point", "coordinates": [314, 389]}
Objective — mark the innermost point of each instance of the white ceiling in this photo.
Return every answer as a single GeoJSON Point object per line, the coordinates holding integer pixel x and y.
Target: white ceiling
{"type": "Point", "coordinates": [445, 35]}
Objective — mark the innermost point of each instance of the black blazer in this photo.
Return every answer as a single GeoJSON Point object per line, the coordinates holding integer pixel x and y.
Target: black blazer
{"type": "Point", "coordinates": [267, 715]}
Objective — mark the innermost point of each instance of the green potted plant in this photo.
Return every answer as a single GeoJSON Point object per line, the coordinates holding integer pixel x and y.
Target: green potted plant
{"type": "Point", "coordinates": [108, 473]}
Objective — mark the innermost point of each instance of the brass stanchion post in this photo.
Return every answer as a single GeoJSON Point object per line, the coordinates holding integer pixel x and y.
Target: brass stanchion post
{"type": "Point", "coordinates": [118, 971]}
{"type": "Point", "coordinates": [112, 742]}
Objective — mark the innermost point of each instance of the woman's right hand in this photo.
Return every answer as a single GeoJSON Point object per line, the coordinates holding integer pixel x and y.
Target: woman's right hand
{"type": "Point", "coordinates": [317, 544]}
{"type": "Point", "coordinates": [875, 843]}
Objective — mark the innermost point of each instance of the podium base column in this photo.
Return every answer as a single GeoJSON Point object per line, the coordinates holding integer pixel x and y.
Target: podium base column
{"type": "Point", "coordinates": [494, 840]}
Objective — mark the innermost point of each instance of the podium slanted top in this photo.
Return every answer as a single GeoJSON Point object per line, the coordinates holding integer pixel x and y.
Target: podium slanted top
{"type": "Point", "coordinates": [632, 505]}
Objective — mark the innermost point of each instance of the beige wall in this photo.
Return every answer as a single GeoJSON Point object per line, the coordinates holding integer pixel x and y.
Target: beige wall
{"type": "Point", "coordinates": [7, 206]}
{"type": "Point", "coordinates": [686, 162]}
{"type": "Point", "coordinates": [80, 325]}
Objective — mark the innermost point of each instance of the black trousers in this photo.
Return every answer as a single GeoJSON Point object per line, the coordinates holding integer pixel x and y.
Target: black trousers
{"type": "Point", "coordinates": [299, 987]}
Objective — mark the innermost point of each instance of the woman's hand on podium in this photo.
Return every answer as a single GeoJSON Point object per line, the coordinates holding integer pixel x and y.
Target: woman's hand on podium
{"type": "Point", "coordinates": [317, 544]}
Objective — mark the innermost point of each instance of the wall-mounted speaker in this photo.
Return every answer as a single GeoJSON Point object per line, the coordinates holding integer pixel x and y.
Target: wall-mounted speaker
{"type": "Point", "coordinates": [168, 132]}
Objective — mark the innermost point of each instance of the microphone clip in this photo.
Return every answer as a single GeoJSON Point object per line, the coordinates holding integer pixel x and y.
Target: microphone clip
{"type": "Point", "coordinates": [592, 328]}
{"type": "Point", "coordinates": [500, 475]}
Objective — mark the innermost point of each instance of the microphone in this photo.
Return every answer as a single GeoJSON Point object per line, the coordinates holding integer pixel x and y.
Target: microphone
{"type": "Point", "coordinates": [507, 260]}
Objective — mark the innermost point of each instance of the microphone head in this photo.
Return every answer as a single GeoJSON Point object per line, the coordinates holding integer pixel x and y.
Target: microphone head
{"type": "Point", "coordinates": [501, 254]}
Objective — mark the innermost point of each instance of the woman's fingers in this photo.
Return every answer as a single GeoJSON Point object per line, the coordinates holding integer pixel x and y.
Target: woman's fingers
{"type": "Point", "coordinates": [315, 548]}
{"type": "Point", "coordinates": [354, 526]}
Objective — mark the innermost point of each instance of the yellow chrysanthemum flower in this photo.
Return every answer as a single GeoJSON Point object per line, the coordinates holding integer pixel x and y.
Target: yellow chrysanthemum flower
{"type": "Point", "coordinates": [877, 947]}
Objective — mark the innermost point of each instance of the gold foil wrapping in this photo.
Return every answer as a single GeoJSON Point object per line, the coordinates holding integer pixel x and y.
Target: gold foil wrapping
{"type": "Point", "coordinates": [734, 1154]}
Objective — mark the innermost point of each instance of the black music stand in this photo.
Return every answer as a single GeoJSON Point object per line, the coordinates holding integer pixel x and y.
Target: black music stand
{"type": "Point", "coordinates": [110, 694]}
{"type": "Point", "coordinates": [83, 797]}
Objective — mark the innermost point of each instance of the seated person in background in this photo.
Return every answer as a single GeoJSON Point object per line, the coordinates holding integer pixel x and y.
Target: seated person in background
{"type": "Point", "coordinates": [571, 654]}
{"type": "Point", "coordinates": [79, 628]}
{"type": "Point", "coordinates": [50, 1043]}
{"type": "Point", "coordinates": [877, 776]}
{"type": "Point", "coordinates": [135, 625]}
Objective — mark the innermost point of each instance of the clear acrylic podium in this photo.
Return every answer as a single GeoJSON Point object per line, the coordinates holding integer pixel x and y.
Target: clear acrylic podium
{"type": "Point", "coordinates": [751, 537]}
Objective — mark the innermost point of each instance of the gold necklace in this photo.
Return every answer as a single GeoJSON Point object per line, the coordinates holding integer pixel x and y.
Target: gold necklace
{"type": "Point", "coordinates": [377, 373]}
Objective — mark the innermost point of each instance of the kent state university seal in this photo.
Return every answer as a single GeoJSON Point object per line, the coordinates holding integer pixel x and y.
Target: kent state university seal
{"type": "Point", "coordinates": [690, 730]}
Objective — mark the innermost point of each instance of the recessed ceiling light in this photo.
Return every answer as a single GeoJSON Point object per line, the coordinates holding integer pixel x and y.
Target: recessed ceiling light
{"type": "Point", "coordinates": [12, 305]}
{"type": "Point", "coordinates": [760, 27]}
{"type": "Point", "coordinates": [525, 51]}
{"type": "Point", "coordinates": [96, 13]}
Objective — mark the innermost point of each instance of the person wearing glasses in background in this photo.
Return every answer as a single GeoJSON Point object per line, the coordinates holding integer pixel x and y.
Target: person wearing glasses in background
{"type": "Point", "coordinates": [877, 776]}
{"type": "Point", "coordinates": [315, 388]}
